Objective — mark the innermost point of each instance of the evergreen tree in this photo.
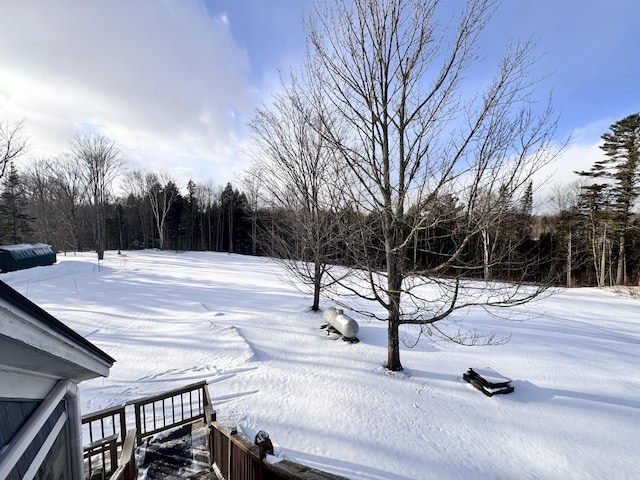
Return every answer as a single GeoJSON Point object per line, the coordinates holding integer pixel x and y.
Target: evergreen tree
{"type": "Point", "coordinates": [190, 223]}
{"type": "Point", "coordinates": [594, 209]}
{"type": "Point", "coordinates": [241, 223]}
{"type": "Point", "coordinates": [174, 229]}
{"type": "Point", "coordinates": [227, 199]}
{"type": "Point", "coordinates": [620, 172]}
{"type": "Point", "coordinates": [13, 219]}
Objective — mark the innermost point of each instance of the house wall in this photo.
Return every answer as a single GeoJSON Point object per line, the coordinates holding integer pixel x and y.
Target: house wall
{"type": "Point", "coordinates": [38, 433]}
{"type": "Point", "coordinates": [22, 392]}
{"type": "Point", "coordinates": [24, 385]}
{"type": "Point", "coordinates": [44, 439]}
{"type": "Point", "coordinates": [14, 414]}
{"type": "Point", "coordinates": [29, 461]}
{"type": "Point", "coordinates": [56, 465]}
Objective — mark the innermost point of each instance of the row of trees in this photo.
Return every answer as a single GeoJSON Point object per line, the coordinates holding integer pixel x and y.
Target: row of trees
{"type": "Point", "coordinates": [69, 202]}
{"type": "Point", "coordinates": [606, 203]}
{"type": "Point", "coordinates": [591, 238]}
{"type": "Point", "coordinates": [380, 173]}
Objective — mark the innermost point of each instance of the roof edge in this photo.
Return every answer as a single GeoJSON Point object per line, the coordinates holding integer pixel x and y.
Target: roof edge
{"type": "Point", "coordinates": [52, 322]}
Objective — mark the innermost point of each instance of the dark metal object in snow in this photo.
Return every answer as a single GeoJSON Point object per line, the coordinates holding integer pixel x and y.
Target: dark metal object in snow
{"type": "Point", "coordinates": [488, 381]}
{"type": "Point", "coordinates": [264, 444]}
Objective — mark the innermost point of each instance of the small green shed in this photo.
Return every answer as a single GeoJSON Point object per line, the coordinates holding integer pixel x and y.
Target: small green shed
{"type": "Point", "coordinates": [26, 255]}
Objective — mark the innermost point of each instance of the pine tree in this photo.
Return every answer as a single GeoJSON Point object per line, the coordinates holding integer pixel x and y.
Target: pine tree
{"type": "Point", "coordinates": [13, 220]}
{"type": "Point", "coordinates": [227, 198]}
{"type": "Point", "coordinates": [620, 172]}
{"type": "Point", "coordinates": [190, 226]}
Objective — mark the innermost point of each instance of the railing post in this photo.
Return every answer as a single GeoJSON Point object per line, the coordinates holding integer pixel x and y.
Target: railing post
{"type": "Point", "coordinates": [209, 418]}
{"type": "Point", "coordinates": [123, 425]}
{"type": "Point", "coordinates": [209, 415]}
{"type": "Point", "coordinates": [113, 454]}
{"type": "Point", "coordinates": [138, 424]}
{"type": "Point", "coordinates": [265, 446]}
{"type": "Point", "coordinates": [234, 431]}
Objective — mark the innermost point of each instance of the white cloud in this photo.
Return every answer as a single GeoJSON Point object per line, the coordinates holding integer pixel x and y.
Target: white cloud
{"type": "Point", "coordinates": [159, 78]}
{"type": "Point", "coordinates": [581, 153]}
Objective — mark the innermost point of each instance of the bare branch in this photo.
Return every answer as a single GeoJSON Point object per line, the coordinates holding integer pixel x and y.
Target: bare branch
{"type": "Point", "coordinates": [13, 143]}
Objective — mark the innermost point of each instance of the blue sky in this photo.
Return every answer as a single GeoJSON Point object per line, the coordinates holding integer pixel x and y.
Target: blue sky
{"type": "Point", "coordinates": [174, 81]}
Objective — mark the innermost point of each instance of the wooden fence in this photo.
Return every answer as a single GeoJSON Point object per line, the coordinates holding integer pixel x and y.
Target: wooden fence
{"type": "Point", "coordinates": [231, 456]}
{"type": "Point", "coordinates": [106, 431]}
{"type": "Point", "coordinates": [109, 453]}
{"type": "Point", "coordinates": [170, 409]}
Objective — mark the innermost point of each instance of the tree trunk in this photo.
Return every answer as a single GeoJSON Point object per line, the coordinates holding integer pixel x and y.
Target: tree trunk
{"type": "Point", "coordinates": [254, 232]}
{"type": "Point", "coordinates": [620, 274]}
{"type": "Point", "coordinates": [393, 346]}
{"type": "Point", "coordinates": [569, 261]}
{"type": "Point", "coordinates": [603, 260]}
{"type": "Point", "coordinates": [100, 236]}
{"type": "Point", "coordinates": [160, 236]}
{"type": "Point", "coordinates": [485, 254]}
{"type": "Point", "coordinates": [393, 309]}
{"type": "Point", "coordinates": [231, 228]}
{"type": "Point", "coordinates": [219, 230]}
{"type": "Point", "coordinates": [317, 285]}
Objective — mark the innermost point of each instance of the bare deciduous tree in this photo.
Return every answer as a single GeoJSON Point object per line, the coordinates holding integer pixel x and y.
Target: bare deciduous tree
{"type": "Point", "coordinates": [56, 190]}
{"type": "Point", "coordinates": [564, 202]}
{"type": "Point", "coordinates": [252, 182]}
{"type": "Point", "coordinates": [135, 188]}
{"type": "Point", "coordinates": [39, 186]}
{"type": "Point", "coordinates": [296, 172]}
{"type": "Point", "coordinates": [161, 191]}
{"type": "Point", "coordinates": [205, 195]}
{"type": "Point", "coordinates": [69, 191]}
{"type": "Point", "coordinates": [12, 143]}
{"type": "Point", "coordinates": [411, 132]}
{"type": "Point", "coordinates": [100, 162]}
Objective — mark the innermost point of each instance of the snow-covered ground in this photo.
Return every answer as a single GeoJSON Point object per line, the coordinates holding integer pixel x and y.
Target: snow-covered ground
{"type": "Point", "coordinates": [170, 319]}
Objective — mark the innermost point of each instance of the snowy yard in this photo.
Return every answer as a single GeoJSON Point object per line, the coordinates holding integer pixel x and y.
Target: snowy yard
{"type": "Point", "coordinates": [170, 319]}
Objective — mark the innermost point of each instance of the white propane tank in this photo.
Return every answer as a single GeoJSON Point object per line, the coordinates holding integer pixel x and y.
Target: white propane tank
{"type": "Point", "coordinates": [344, 324]}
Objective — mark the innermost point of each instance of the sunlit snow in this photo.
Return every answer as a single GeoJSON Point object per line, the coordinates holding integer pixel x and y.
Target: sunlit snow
{"type": "Point", "coordinates": [170, 319]}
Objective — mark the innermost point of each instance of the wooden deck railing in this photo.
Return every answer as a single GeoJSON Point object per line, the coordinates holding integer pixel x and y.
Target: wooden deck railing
{"type": "Point", "coordinates": [127, 462]}
{"type": "Point", "coordinates": [101, 457]}
{"type": "Point", "coordinates": [232, 456]}
{"type": "Point", "coordinates": [110, 450]}
{"type": "Point", "coordinates": [105, 423]}
{"type": "Point", "coordinates": [106, 431]}
{"type": "Point", "coordinates": [170, 409]}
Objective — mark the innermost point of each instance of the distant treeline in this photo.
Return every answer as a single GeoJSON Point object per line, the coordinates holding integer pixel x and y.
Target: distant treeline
{"type": "Point", "coordinates": [590, 238]}
{"type": "Point", "coordinates": [580, 244]}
